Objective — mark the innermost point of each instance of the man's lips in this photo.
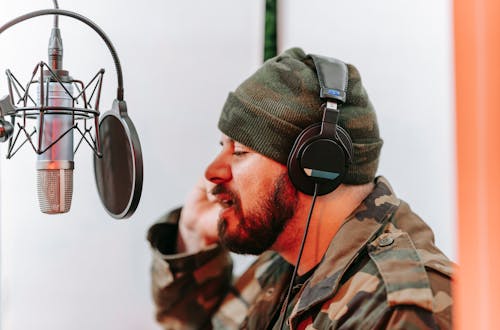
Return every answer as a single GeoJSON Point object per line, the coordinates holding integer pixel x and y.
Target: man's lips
{"type": "Point", "coordinates": [225, 200]}
{"type": "Point", "coordinates": [226, 203]}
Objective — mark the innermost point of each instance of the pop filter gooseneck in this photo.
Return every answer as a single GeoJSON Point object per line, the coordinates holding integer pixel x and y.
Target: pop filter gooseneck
{"type": "Point", "coordinates": [118, 163]}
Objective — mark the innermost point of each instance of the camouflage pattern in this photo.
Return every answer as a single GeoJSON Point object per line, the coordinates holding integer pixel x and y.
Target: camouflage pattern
{"type": "Point", "coordinates": [381, 271]}
{"type": "Point", "coordinates": [186, 288]}
{"type": "Point", "coordinates": [269, 110]}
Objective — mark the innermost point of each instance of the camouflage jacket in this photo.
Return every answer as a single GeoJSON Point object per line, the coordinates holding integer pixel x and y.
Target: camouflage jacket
{"type": "Point", "coordinates": [381, 271]}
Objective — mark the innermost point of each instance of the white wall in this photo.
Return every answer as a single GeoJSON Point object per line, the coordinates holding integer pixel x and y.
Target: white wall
{"type": "Point", "coordinates": [85, 270]}
{"type": "Point", "coordinates": [403, 50]}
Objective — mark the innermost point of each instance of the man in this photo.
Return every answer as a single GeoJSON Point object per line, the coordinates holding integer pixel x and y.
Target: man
{"type": "Point", "coordinates": [368, 262]}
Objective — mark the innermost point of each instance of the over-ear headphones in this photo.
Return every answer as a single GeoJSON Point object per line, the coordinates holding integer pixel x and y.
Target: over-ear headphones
{"type": "Point", "coordinates": [322, 152]}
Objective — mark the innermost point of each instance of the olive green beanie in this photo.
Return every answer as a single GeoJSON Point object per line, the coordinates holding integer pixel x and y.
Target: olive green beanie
{"type": "Point", "coordinates": [269, 110]}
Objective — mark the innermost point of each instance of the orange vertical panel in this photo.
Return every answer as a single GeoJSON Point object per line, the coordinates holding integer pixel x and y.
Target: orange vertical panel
{"type": "Point", "coordinates": [477, 78]}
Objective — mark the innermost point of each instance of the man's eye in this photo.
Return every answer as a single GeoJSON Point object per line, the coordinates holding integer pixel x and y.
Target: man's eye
{"type": "Point", "coordinates": [239, 153]}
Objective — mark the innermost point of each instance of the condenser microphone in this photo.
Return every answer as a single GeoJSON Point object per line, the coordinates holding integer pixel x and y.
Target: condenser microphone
{"type": "Point", "coordinates": [55, 164]}
{"type": "Point", "coordinates": [61, 105]}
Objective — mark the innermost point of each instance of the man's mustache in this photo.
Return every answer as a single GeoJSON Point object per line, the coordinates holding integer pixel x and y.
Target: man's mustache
{"type": "Point", "coordinates": [222, 189]}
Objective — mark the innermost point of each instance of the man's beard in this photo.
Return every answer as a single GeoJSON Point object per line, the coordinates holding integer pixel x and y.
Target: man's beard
{"type": "Point", "coordinates": [259, 228]}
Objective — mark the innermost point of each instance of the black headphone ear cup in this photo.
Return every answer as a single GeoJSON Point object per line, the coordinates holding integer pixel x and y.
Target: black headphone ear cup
{"type": "Point", "coordinates": [323, 158]}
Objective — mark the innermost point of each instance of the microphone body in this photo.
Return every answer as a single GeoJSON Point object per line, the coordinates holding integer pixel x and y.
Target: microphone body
{"type": "Point", "coordinates": [55, 166]}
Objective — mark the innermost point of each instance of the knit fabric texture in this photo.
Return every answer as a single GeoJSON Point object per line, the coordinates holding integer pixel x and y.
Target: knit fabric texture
{"type": "Point", "coordinates": [269, 110]}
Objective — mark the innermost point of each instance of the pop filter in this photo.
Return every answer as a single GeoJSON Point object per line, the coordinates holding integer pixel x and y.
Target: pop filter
{"type": "Point", "coordinates": [118, 172]}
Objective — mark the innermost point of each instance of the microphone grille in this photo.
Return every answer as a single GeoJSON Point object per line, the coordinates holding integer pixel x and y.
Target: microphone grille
{"type": "Point", "coordinates": [55, 190]}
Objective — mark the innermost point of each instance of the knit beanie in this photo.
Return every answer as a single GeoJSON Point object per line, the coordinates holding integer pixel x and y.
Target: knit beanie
{"type": "Point", "coordinates": [269, 110]}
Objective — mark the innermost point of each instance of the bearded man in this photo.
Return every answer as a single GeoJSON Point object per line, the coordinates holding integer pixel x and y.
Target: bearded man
{"type": "Point", "coordinates": [368, 262]}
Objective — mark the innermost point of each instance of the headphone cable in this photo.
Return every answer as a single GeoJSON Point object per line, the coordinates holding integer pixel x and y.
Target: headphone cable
{"type": "Point", "coordinates": [290, 287]}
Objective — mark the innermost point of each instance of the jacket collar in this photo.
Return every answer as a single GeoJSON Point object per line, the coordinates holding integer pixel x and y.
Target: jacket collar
{"type": "Point", "coordinates": [355, 233]}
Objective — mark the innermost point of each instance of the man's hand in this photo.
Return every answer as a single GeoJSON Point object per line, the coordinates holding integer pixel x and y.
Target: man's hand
{"type": "Point", "coordinates": [198, 221]}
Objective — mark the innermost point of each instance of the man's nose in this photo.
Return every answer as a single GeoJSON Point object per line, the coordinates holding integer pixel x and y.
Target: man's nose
{"type": "Point", "coordinates": [219, 170]}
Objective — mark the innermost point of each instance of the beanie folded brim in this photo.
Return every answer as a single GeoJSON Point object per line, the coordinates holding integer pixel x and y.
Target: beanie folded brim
{"type": "Point", "coordinates": [257, 128]}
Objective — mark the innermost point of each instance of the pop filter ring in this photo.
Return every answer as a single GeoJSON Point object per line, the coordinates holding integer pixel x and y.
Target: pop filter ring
{"type": "Point", "coordinates": [119, 111]}
{"type": "Point", "coordinates": [124, 207]}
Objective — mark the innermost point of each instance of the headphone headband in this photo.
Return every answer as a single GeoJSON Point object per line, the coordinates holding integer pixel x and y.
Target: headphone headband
{"type": "Point", "coordinates": [332, 77]}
